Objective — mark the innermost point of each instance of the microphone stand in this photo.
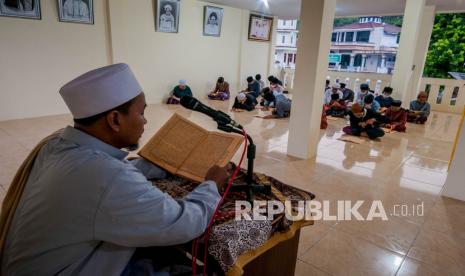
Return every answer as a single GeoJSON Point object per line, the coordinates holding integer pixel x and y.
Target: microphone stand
{"type": "Point", "coordinates": [251, 186]}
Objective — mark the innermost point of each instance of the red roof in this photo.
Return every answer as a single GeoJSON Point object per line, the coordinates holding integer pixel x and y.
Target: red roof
{"type": "Point", "coordinates": [388, 28]}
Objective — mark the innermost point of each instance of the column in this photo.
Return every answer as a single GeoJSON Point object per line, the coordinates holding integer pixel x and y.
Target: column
{"type": "Point", "coordinates": [454, 183]}
{"type": "Point", "coordinates": [407, 46]}
{"type": "Point", "coordinates": [316, 20]}
{"type": "Point", "coordinates": [364, 59]}
{"type": "Point", "coordinates": [352, 60]}
{"type": "Point", "coordinates": [272, 49]}
{"type": "Point", "coordinates": [421, 51]}
{"type": "Point", "coordinates": [383, 61]}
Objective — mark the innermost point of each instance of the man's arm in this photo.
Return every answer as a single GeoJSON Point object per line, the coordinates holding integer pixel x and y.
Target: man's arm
{"type": "Point", "coordinates": [149, 170]}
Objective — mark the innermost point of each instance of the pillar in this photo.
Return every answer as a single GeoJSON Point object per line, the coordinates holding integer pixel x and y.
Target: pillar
{"type": "Point", "coordinates": [407, 46]}
{"type": "Point", "coordinates": [383, 61]}
{"type": "Point", "coordinates": [316, 26]}
{"type": "Point", "coordinates": [421, 51]}
{"type": "Point", "coordinates": [352, 60]}
{"type": "Point", "coordinates": [364, 59]}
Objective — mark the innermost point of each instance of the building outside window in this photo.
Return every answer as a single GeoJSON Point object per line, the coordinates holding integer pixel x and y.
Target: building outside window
{"type": "Point", "coordinates": [363, 36]}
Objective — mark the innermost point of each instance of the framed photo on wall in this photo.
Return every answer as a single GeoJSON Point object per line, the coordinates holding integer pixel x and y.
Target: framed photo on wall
{"type": "Point", "coordinates": [260, 27]}
{"type": "Point", "coordinates": [212, 19]}
{"type": "Point", "coordinates": [76, 11]}
{"type": "Point", "coordinates": [168, 16]}
{"type": "Point", "coordinates": [20, 8]}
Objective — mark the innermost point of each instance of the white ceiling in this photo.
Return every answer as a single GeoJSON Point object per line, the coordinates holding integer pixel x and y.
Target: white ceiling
{"type": "Point", "coordinates": [290, 9]}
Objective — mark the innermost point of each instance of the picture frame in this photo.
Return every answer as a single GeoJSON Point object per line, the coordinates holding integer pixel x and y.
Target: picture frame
{"type": "Point", "coordinates": [29, 9]}
{"type": "Point", "coordinates": [167, 16]}
{"type": "Point", "coordinates": [76, 11]}
{"type": "Point", "coordinates": [260, 27]}
{"type": "Point", "coordinates": [212, 20]}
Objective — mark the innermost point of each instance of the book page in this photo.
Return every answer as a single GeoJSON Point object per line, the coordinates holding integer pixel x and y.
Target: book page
{"type": "Point", "coordinates": [216, 149]}
{"type": "Point", "coordinates": [173, 143]}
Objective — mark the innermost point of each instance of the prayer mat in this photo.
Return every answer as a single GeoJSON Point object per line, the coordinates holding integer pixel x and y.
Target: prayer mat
{"type": "Point", "coordinates": [351, 138]}
{"type": "Point", "coordinates": [229, 237]}
{"type": "Point", "coordinates": [388, 130]}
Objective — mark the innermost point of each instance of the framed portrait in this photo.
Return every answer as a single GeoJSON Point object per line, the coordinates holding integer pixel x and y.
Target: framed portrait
{"type": "Point", "coordinates": [20, 8]}
{"type": "Point", "coordinates": [212, 19]}
{"type": "Point", "coordinates": [76, 11]}
{"type": "Point", "coordinates": [260, 27]}
{"type": "Point", "coordinates": [167, 16]}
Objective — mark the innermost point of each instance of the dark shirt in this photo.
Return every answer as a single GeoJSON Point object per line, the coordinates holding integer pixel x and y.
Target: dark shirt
{"type": "Point", "coordinates": [249, 104]}
{"type": "Point", "coordinates": [178, 92]}
{"type": "Point", "coordinates": [348, 95]}
{"type": "Point", "coordinates": [254, 88]}
{"type": "Point", "coordinates": [354, 121]}
{"type": "Point", "coordinates": [384, 101]}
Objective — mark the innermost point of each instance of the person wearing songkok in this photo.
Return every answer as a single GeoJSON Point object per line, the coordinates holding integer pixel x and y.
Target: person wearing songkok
{"type": "Point", "coordinates": [258, 78]}
{"type": "Point", "coordinates": [83, 209]}
{"type": "Point", "coordinates": [244, 101]}
{"type": "Point", "coordinates": [364, 90]}
{"type": "Point", "coordinates": [335, 89]}
{"type": "Point", "coordinates": [180, 91]}
{"type": "Point", "coordinates": [370, 103]}
{"type": "Point", "coordinates": [385, 99]}
{"type": "Point", "coordinates": [336, 107]}
{"type": "Point", "coordinates": [275, 80]}
{"type": "Point", "coordinates": [364, 120]}
{"type": "Point", "coordinates": [253, 87]}
{"type": "Point", "coordinates": [221, 91]}
{"type": "Point", "coordinates": [419, 109]}
{"type": "Point", "coordinates": [347, 94]}
{"type": "Point", "coordinates": [396, 117]}
{"type": "Point", "coordinates": [282, 105]}
{"type": "Point", "coordinates": [268, 98]}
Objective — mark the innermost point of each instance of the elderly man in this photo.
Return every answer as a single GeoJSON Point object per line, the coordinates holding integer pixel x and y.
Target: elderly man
{"type": "Point", "coordinates": [167, 22]}
{"type": "Point", "coordinates": [83, 208]}
{"type": "Point", "coordinates": [335, 89]}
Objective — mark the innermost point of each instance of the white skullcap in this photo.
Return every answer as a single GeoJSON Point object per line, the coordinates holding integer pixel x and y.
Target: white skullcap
{"type": "Point", "coordinates": [241, 96]}
{"type": "Point", "coordinates": [336, 85]}
{"type": "Point", "coordinates": [100, 90]}
{"type": "Point", "coordinates": [182, 82]}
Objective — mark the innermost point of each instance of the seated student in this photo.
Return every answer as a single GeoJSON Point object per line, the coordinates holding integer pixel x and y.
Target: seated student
{"type": "Point", "coordinates": [275, 86]}
{"type": "Point", "coordinates": [221, 91]}
{"type": "Point", "coordinates": [244, 101]}
{"type": "Point", "coordinates": [268, 98]}
{"type": "Point", "coordinates": [275, 79]}
{"type": "Point", "coordinates": [362, 119]}
{"type": "Point", "coordinates": [334, 90]}
{"type": "Point", "coordinates": [347, 94]}
{"type": "Point", "coordinates": [385, 99]}
{"type": "Point", "coordinates": [336, 107]}
{"type": "Point", "coordinates": [258, 78]}
{"type": "Point", "coordinates": [419, 109]}
{"type": "Point", "coordinates": [179, 91]}
{"type": "Point", "coordinates": [253, 87]}
{"type": "Point", "coordinates": [364, 90]}
{"type": "Point", "coordinates": [396, 117]}
{"type": "Point", "coordinates": [370, 103]}
{"type": "Point", "coordinates": [282, 105]}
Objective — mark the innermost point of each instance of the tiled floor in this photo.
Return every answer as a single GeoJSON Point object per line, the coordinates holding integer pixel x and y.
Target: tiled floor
{"type": "Point", "coordinates": [400, 169]}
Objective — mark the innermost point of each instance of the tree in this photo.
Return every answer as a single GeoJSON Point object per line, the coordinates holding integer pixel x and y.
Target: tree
{"type": "Point", "coordinates": [344, 21]}
{"type": "Point", "coordinates": [393, 20]}
{"type": "Point", "coordinates": [446, 51]}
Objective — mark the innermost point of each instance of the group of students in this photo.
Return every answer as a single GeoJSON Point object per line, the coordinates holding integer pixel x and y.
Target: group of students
{"type": "Point", "coordinates": [369, 113]}
{"type": "Point", "coordinates": [272, 97]}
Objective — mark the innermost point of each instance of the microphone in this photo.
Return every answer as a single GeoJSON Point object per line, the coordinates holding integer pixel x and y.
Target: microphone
{"type": "Point", "coordinates": [219, 116]}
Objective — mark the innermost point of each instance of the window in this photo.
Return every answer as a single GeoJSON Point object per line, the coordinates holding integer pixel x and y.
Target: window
{"type": "Point", "coordinates": [341, 37]}
{"type": "Point", "coordinates": [363, 36]}
{"type": "Point", "coordinates": [333, 37]}
{"type": "Point", "coordinates": [398, 38]}
{"type": "Point", "coordinates": [285, 57]}
{"type": "Point", "coordinates": [292, 39]}
{"type": "Point", "coordinates": [292, 23]}
{"type": "Point", "coordinates": [284, 23]}
{"type": "Point", "coordinates": [284, 39]}
{"type": "Point", "coordinates": [349, 37]}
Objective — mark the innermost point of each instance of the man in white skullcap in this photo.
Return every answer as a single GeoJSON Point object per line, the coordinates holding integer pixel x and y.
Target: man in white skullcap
{"type": "Point", "coordinates": [84, 209]}
{"type": "Point", "coordinates": [180, 91]}
{"type": "Point", "coordinates": [336, 88]}
{"type": "Point", "coordinates": [167, 22]}
{"type": "Point", "coordinates": [244, 101]}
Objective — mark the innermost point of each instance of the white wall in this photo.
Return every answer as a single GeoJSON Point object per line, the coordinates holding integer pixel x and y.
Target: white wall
{"type": "Point", "coordinates": [389, 40]}
{"type": "Point", "coordinates": [38, 56]}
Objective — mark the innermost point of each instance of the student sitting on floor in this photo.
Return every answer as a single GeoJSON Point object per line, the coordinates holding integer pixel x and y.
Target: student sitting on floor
{"type": "Point", "coordinates": [258, 78]}
{"type": "Point", "coordinates": [370, 103]}
{"type": "Point", "coordinates": [179, 91]}
{"type": "Point", "coordinates": [396, 117]}
{"type": "Point", "coordinates": [364, 91]}
{"type": "Point", "coordinates": [347, 94]}
{"type": "Point", "coordinates": [221, 91]}
{"type": "Point", "coordinates": [385, 99]}
{"type": "Point", "coordinates": [336, 107]}
{"type": "Point", "coordinates": [419, 109]}
{"type": "Point", "coordinates": [253, 87]}
{"type": "Point", "coordinates": [282, 105]}
{"type": "Point", "coordinates": [275, 79]}
{"type": "Point", "coordinates": [335, 89]}
{"type": "Point", "coordinates": [362, 119]}
{"type": "Point", "coordinates": [268, 98]}
{"type": "Point", "coordinates": [275, 87]}
{"type": "Point", "coordinates": [244, 101]}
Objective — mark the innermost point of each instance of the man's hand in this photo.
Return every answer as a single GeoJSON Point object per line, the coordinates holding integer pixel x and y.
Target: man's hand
{"type": "Point", "coordinates": [219, 175]}
{"type": "Point", "coordinates": [362, 124]}
{"type": "Point", "coordinates": [371, 121]}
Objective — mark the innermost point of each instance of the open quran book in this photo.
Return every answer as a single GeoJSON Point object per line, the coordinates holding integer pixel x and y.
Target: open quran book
{"type": "Point", "coordinates": [186, 149]}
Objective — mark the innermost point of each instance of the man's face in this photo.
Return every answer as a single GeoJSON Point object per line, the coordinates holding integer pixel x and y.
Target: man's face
{"type": "Point", "coordinates": [422, 99]}
{"type": "Point", "coordinates": [132, 124]}
{"type": "Point", "coordinates": [358, 114]}
{"type": "Point", "coordinates": [182, 86]}
{"type": "Point", "coordinates": [364, 91]}
{"type": "Point", "coordinates": [334, 89]}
